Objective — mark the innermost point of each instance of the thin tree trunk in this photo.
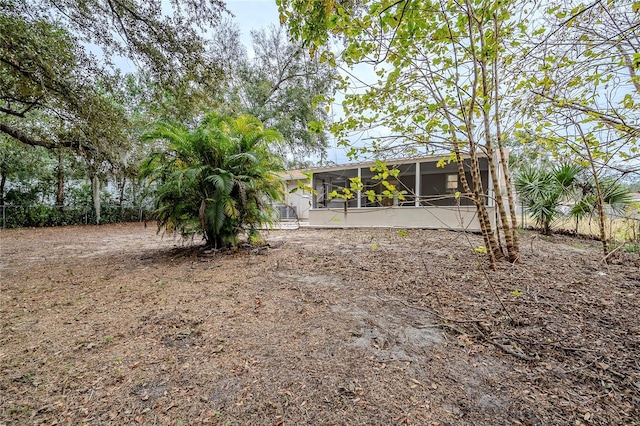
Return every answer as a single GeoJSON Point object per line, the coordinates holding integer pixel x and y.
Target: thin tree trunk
{"type": "Point", "coordinates": [476, 178]}
{"type": "Point", "coordinates": [511, 199]}
{"type": "Point", "coordinates": [3, 181]}
{"type": "Point", "coordinates": [95, 193]}
{"type": "Point", "coordinates": [60, 189]}
{"type": "Point", "coordinates": [485, 227]}
{"type": "Point", "coordinates": [483, 214]}
{"type": "Point", "coordinates": [478, 199]}
{"type": "Point", "coordinates": [600, 204]}
{"type": "Point", "coordinates": [514, 250]}
{"type": "Point", "coordinates": [487, 92]}
{"type": "Point", "coordinates": [121, 201]}
{"type": "Point", "coordinates": [468, 109]}
{"type": "Point", "coordinates": [476, 193]}
{"type": "Point", "coordinates": [599, 197]}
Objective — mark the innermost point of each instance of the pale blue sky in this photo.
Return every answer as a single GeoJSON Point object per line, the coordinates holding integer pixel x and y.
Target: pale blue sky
{"type": "Point", "coordinates": [253, 14]}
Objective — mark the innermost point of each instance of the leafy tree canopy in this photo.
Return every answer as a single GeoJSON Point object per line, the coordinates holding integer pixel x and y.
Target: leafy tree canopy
{"type": "Point", "coordinates": [281, 85]}
{"type": "Point", "coordinates": [581, 69]}
{"type": "Point", "coordinates": [56, 93]}
{"type": "Point", "coordinates": [50, 94]}
{"type": "Point", "coordinates": [160, 37]}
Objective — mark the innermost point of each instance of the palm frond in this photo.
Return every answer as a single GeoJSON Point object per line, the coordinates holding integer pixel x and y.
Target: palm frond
{"type": "Point", "coordinates": [584, 207]}
{"type": "Point", "coordinates": [221, 182]}
{"type": "Point", "coordinates": [567, 174]}
{"type": "Point", "coordinates": [616, 195]}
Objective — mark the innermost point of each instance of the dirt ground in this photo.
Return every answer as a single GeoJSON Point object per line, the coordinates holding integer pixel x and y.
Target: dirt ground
{"type": "Point", "coordinates": [115, 325]}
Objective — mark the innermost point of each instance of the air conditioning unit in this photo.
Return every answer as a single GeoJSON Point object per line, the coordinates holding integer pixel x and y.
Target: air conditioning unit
{"type": "Point", "coordinates": [287, 212]}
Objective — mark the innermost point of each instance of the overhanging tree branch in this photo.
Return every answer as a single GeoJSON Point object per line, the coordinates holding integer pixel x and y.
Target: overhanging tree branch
{"type": "Point", "coordinates": [28, 140]}
{"type": "Point", "coordinates": [608, 119]}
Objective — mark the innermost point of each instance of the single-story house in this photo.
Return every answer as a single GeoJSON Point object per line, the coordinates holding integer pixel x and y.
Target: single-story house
{"type": "Point", "coordinates": [429, 183]}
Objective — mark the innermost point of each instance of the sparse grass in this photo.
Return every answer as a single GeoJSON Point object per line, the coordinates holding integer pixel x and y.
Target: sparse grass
{"type": "Point", "coordinates": [618, 229]}
{"type": "Point", "coordinates": [631, 248]}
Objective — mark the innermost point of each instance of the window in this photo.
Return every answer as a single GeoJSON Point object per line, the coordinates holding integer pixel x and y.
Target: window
{"type": "Point", "coordinates": [338, 185]}
{"type": "Point", "coordinates": [452, 183]}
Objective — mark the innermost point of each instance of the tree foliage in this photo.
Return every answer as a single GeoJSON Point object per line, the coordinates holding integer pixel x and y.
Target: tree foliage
{"type": "Point", "coordinates": [28, 169]}
{"type": "Point", "coordinates": [164, 38]}
{"type": "Point", "coordinates": [55, 92]}
{"type": "Point", "coordinates": [582, 70]}
{"type": "Point", "coordinates": [50, 95]}
{"type": "Point", "coordinates": [280, 85]}
{"type": "Point", "coordinates": [218, 179]}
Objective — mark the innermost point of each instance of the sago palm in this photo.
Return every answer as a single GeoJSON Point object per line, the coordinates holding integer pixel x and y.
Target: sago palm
{"type": "Point", "coordinates": [219, 179]}
{"type": "Point", "coordinates": [543, 191]}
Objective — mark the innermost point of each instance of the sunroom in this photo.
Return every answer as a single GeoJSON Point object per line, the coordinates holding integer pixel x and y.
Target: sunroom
{"type": "Point", "coordinates": [427, 193]}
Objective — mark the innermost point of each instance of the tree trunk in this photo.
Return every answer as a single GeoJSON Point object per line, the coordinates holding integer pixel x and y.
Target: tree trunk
{"type": "Point", "coordinates": [60, 189]}
{"type": "Point", "coordinates": [514, 250]}
{"type": "Point", "coordinates": [476, 178]}
{"type": "Point", "coordinates": [121, 201]}
{"type": "Point", "coordinates": [600, 205]}
{"type": "Point", "coordinates": [489, 96]}
{"type": "Point", "coordinates": [95, 193]}
{"type": "Point", "coordinates": [599, 197]}
{"type": "Point", "coordinates": [476, 193]}
{"type": "Point", "coordinates": [478, 201]}
{"type": "Point", "coordinates": [3, 181]}
{"type": "Point", "coordinates": [511, 200]}
{"type": "Point", "coordinates": [481, 206]}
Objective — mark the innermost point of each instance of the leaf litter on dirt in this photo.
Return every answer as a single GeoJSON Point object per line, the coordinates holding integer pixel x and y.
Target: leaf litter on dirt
{"type": "Point", "coordinates": [315, 328]}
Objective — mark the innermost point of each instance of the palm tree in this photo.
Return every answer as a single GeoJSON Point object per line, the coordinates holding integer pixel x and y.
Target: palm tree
{"type": "Point", "coordinates": [544, 190]}
{"type": "Point", "coordinates": [614, 194]}
{"type": "Point", "coordinates": [218, 180]}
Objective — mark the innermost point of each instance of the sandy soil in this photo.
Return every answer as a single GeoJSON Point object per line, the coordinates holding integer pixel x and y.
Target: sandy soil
{"type": "Point", "coordinates": [115, 325]}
